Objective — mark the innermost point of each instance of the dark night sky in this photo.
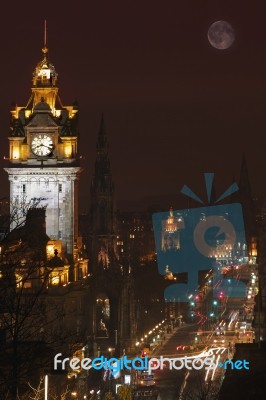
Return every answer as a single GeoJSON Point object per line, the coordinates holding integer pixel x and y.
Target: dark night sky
{"type": "Point", "coordinates": [174, 106]}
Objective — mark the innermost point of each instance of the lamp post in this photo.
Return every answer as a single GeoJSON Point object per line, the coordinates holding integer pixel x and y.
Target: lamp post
{"type": "Point", "coordinates": [111, 349]}
{"type": "Point", "coordinates": [46, 387]}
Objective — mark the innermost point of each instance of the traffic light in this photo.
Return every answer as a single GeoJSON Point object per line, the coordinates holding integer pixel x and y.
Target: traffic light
{"type": "Point", "coordinates": [145, 352]}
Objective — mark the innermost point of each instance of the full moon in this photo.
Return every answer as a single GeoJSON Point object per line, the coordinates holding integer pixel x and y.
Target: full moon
{"type": "Point", "coordinates": [221, 35]}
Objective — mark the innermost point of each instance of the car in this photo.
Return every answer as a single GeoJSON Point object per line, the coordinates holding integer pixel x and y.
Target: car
{"type": "Point", "coordinates": [219, 342]}
{"type": "Point", "coordinates": [147, 379]}
{"type": "Point", "coordinates": [241, 325]}
{"type": "Point", "coordinates": [219, 331]}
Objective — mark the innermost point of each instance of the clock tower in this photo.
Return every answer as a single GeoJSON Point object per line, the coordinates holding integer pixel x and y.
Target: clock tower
{"type": "Point", "coordinates": [43, 155]}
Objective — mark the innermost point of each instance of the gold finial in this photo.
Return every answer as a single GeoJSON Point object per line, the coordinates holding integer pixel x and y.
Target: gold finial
{"type": "Point", "coordinates": [45, 49]}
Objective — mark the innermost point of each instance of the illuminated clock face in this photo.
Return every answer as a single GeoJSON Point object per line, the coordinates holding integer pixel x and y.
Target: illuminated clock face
{"type": "Point", "coordinates": [42, 145]}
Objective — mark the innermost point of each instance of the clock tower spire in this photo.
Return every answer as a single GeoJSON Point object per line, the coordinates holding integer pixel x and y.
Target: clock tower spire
{"type": "Point", "coordinates": [43, 154]}
{"type": "Point", "coordinates": [44, 41]}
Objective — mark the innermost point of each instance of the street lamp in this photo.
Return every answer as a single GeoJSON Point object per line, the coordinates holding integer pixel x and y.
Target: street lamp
{"type": "Point", "coordinates": [111, 349]}
{"type": "Point", "coordinates": [46, 387]}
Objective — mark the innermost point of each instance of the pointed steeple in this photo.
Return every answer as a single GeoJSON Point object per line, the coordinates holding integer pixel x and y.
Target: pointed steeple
{"type": "Point", "coordinates": [246, 199]}
{"type": "Point", "coordinates": [102, 181]}
{"type": "Point", "coordinates": [244, 182]}
{"type": "Point", "coordinates": [234, 197]}
{"type": "Point", "coordinates": [102, 144]}
{"type": "Point", "coordinates": [102, 209]}
{"type": "Point", "coordinates": [102, 175]}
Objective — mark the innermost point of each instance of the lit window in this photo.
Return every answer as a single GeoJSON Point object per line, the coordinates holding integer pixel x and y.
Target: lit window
{"type": "Point", "coordinates": [55, 280]}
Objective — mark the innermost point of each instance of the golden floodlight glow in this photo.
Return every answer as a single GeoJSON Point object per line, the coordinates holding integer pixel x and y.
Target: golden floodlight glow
{"type": "Point", "coordinates": [254, 252]}
{"type": "Point", "coordinates": [15, 153]}
{"type": "Point", "coordinates": [68, 150]}
{"type": "Point", "coordinates": [50, 250]}
{"type": "Point", "coordinates": [55, 280]}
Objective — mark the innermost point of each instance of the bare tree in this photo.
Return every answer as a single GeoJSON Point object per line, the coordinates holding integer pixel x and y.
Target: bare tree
{"type": "Point", "coordinates": [199, 389]}
{"type": "Point", "coordinates": [16, 215]}
{"type": "Point", "coordinates": [38, 393]}
{"type": "Point", "coordinates": [125, 392]}
{"type": "Point", "coordinates": [29, 322]}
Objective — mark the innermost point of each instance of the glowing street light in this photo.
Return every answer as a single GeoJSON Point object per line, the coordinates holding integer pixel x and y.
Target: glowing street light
{"type": "Point", "coordinates": [46, 387]}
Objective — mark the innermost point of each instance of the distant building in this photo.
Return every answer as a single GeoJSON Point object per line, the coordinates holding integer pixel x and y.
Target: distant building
{"type": "Point", "coordinates": [242, 383]}
{"type": "Point", "coordinates": [135, 239]}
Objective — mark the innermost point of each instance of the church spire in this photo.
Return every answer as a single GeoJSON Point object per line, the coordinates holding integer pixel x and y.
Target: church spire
{"type": "Point", "coordinates": [246, 199]}
{"type": "Point", "coordinates": [244, 182]}
{"type": "Point", "coordinates": [102, 144]}
{"type": "Point", "coordinates": [102, 180]}
{"type": "Point", "coordinates": [102, 208]}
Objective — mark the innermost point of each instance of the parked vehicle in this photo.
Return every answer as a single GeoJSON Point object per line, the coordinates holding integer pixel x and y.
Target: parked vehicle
{"type": "Point", "coordinates": [147, 379]}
